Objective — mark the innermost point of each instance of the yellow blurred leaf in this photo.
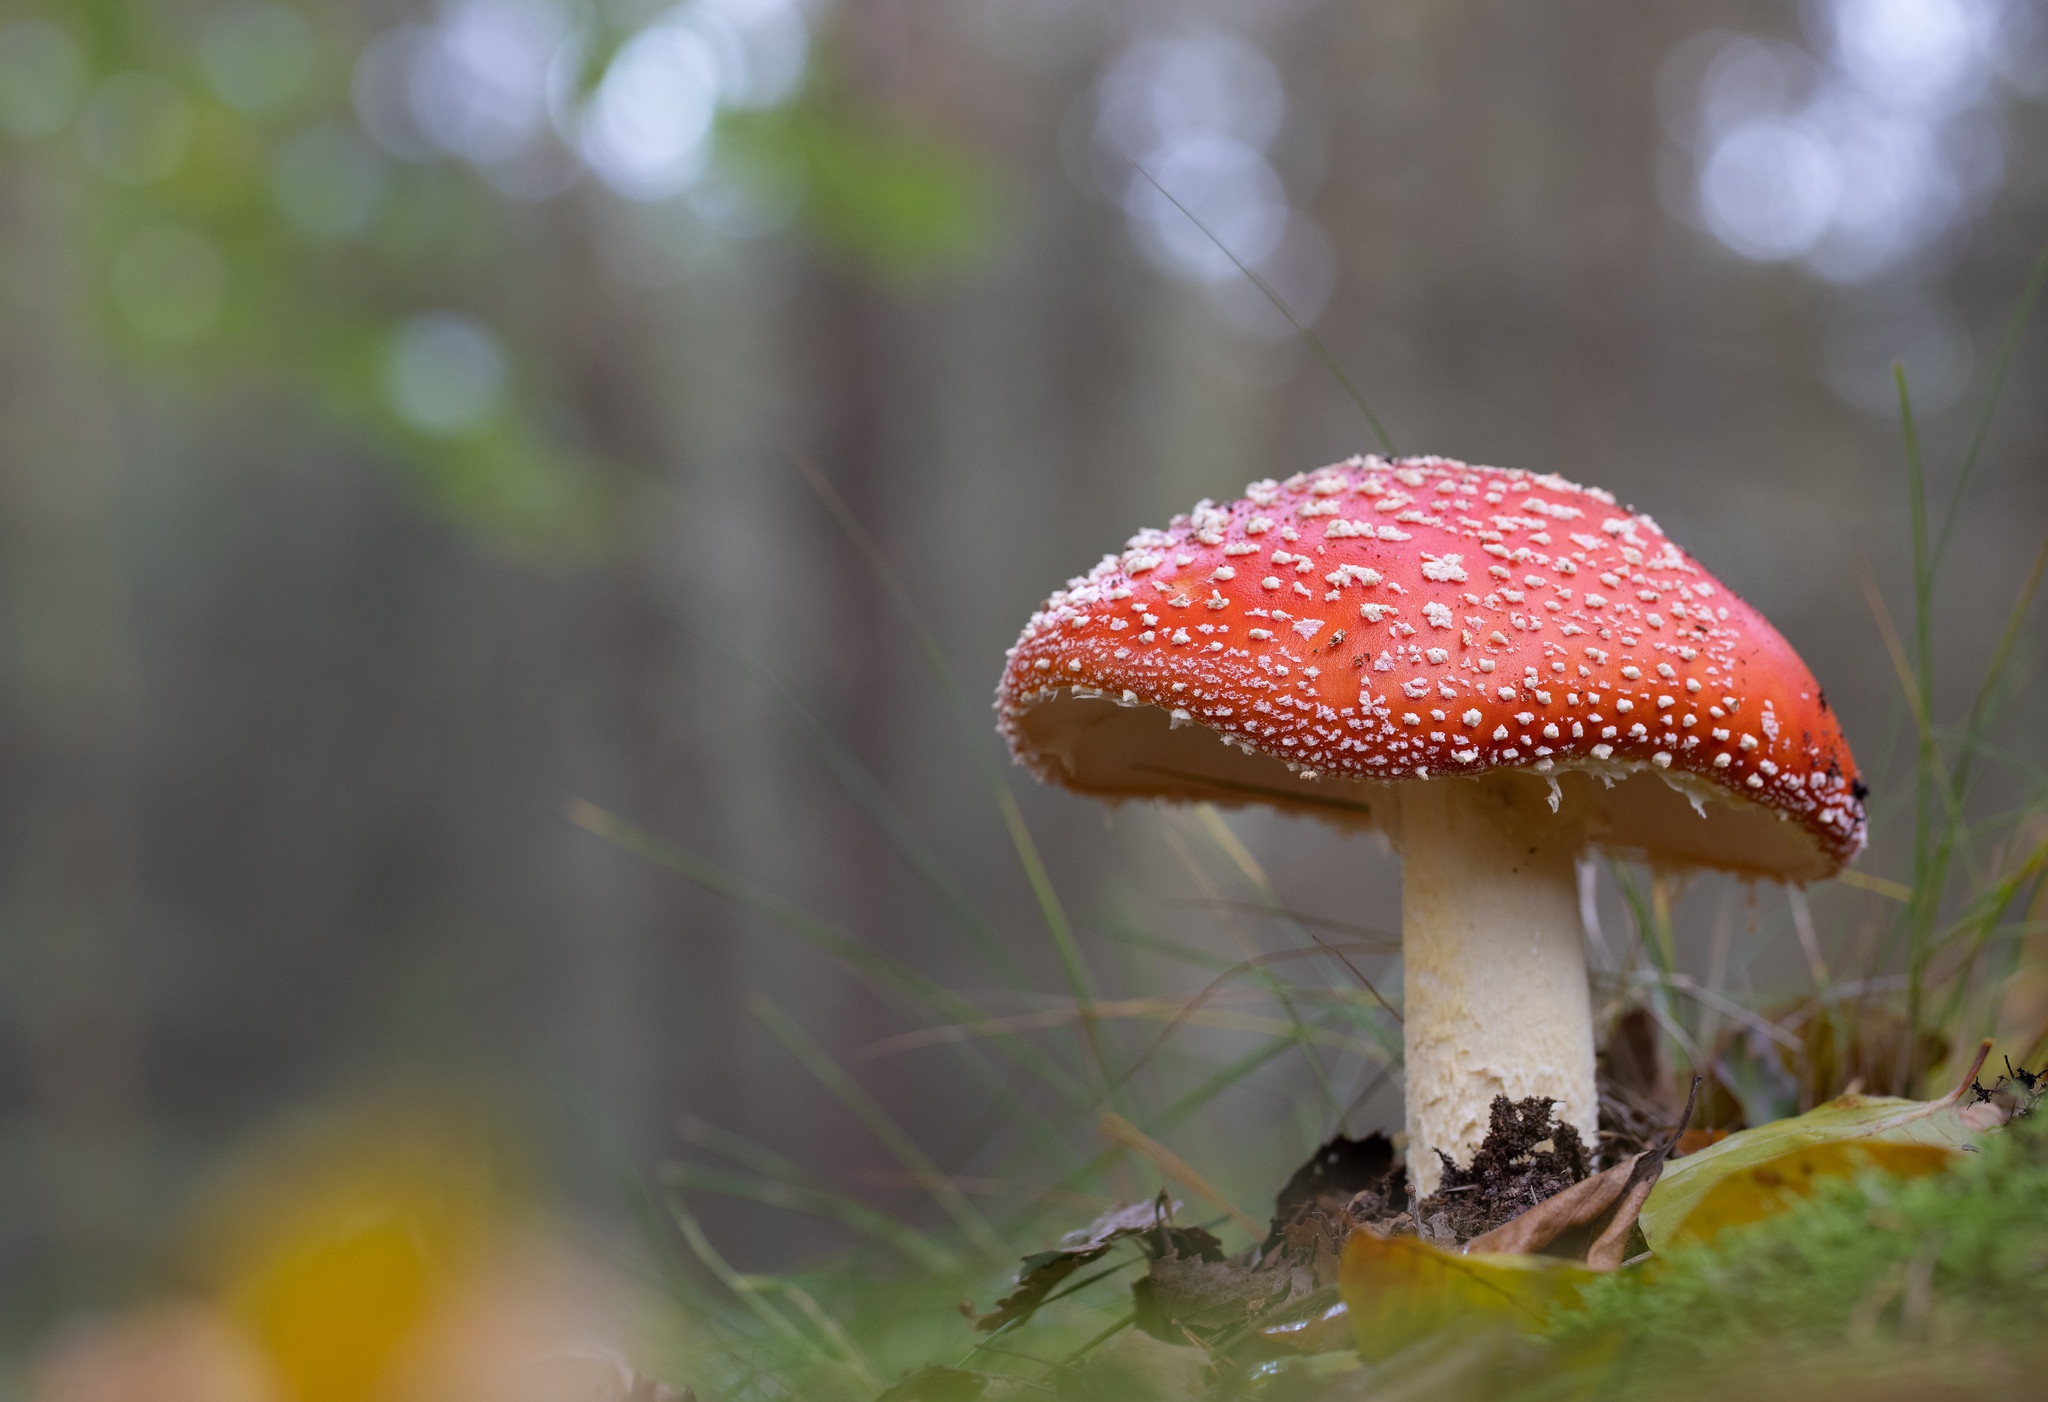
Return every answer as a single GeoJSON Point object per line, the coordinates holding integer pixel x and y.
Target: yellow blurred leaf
{"type": "Point", "coordinates": [338, 1250]}
{"type": "Point", "coordinates": [340, 1301]}
{"type": "Point", "coordinates": [1765, 1189]}
{"type": "Point", "coordinates": [1400, 1289]}
{"type": "Point", "coordinates": [1949, 1125]}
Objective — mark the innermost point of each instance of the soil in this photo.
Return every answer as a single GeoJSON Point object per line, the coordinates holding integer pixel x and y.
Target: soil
{"type": "Point", "coordinates": [1528, 1155]}
{"type": "Point", "coordinates": [1361, 1179]}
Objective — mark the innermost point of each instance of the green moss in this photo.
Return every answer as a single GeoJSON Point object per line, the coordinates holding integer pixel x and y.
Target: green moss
{"type": "Point", "coordinates": [1877, 1268]}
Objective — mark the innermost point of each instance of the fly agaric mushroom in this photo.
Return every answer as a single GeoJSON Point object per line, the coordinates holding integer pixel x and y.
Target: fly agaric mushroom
{"type": "Point", "coordinates": [1497, 670]}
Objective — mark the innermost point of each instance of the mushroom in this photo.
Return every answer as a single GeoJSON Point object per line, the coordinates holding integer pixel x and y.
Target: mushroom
{"type": "Point", "coordinates": [1497, 670]}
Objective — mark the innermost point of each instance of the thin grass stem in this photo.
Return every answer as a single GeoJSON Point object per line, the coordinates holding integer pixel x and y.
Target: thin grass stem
{"type": "Point", "coordinates": [1050, 908]}
{"type": "Point", "coordinates": [1173, 1166]}
{"type": "Point", "coordinates": [2015, 325]}
{"type": "Point", "coordinates": [1313, 341]}
{"type": "Point", "coordinates": [876, 1120]}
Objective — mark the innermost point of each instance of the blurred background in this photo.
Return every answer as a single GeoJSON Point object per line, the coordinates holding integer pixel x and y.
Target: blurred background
{"type": "Point", "coordinates": [405, 418]}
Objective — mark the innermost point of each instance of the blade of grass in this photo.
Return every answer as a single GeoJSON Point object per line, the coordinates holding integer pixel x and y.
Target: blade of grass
{"type": "Point", "coordinates": [1877, 885]}
{"type": "Point", "coordinates": [640, 1199]}
{"type": "Point", "coordinates": [1927, 891]}
{"type": "Point", "coordinates": [1173, 1166]}
{"type": "Point", "coordinates": [1363, 936]}
{"type": "Point", "coordinates": [1065, 947]}
{"type": "Point", "coordinates": [1954, 785]}
{"type": "Point", "coordinates": [1100, 1339]}
{"type": "Point", "coordinates": [2015, 325]}
{"type": "Point", "coordinates": [1136, 936]}
{"type": "Point", "coordinates": [1809, 938]}
{"type": "Point", "coordinates": [1171, 1010]}
{"type": "Point", "coordinates": [744, 1288]}
{"type": "Point", "coordinates": [1221, 833]}
{"type": "Point", "coordinates": [1981, 920]}
{"type": "Point", "coordinates": [1994, 674]}
{"type": "Point", "coordinates": [1200, 1096]}
{"type": "Point", "coordinates": [880, 808]}
{"type": "Point", "coordinates": [1222, 1081]}
{"type": "Point", "coordinates": [1040, 1019]}
{"type": "Point", "coordinates": [831, 1207]}
{"type": "Point", "coordinates": [851, 1353]}
{"type": "Point", "coordinates": [1895, 649]}
{"type": "Point", "coordinates": [1309, 338]}
{"type": "Point", "coordinates": [1194, 1005]}
{"type": "Point", "coordinates": [877, 1122]}
{"type": "Point", "coordinates": [1198, 872]}
{"type": "Point", "coordinates": [1722, 1003]}
{"type": "Point", "coordinates": [836, 943]}
{"type": "Point", "coordinates": [1050, 908]}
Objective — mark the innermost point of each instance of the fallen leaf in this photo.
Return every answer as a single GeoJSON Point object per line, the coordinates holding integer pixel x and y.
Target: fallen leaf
{"type": "Point", "coordinates": [1283, 1289]}
{"type": "Point", "coordinates": [1399, 1289]}
{"type": "Point", "coordinates": [1768, 1188]}
{"type": "Point", "coordinates": [1952, 1123]}
{"type": "Point", "coordinates": [1592, 1220]}
{"type": "Point", "coordinates": [1580, 1206]}
{"type": "Point", "coordinates": [1204, 1296]}
{"type": "Point", "coordinates": [1149, 1222]}
{"type": "Point", "coordinates": [1319, 1324]}
{"type": "Point", "coordinates": [1332, 1180]}
{"type": "Point", "coordinates": [1694, 1140]}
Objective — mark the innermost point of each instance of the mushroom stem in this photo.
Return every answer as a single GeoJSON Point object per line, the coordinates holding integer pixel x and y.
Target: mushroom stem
{"type": "Point", "coordinates": [1494, 965]}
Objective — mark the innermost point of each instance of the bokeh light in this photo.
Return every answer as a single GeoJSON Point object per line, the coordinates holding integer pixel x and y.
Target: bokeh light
{"type": "Point", "coordinates": [329, 183]}
{"type": "Point", "coordinates": [1863, 157]}
{"type": "Point", "coordinates": [1301, 270]}
{"type": "Point", "coordinates": [1860, 155]}
{"type": "Point", "coordinates": [504, 84]}
{"type": "Point", "coordinates": [645, 130]}
{"type": "Point", "coordinates": [170, 283]}
{"type": "Point", "coordinates": [136, 129]}
{"type": "Point", "coordinates": [1228, 186]}
{"type": "Point", "coordinates": [759, 47]}
{"type": "Point", "coordinates": [382, 90]}
{"type": "Point", "coordinates": [1769, 188]}
{"type": "Point", "coordinates": [445, 374]}
{"type": "Point", "coordinates": [474, 85]}
{"type": "Point", "coordinates": [478, 84]}
{"type": "Point", "coordinates": [258, 56]}
{"type": "Point", "coordinates": [1928, 54]}
{"type": "Point", "coordinates": [1181, 138]}
{"type": "Point", "coordinates": [42, 78]}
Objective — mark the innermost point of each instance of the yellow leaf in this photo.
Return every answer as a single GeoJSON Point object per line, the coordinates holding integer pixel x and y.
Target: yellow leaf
{"type": "Point", "coordinates": [1400, 1289]}
{"type": "Point", "coordinates": [1948, 1125]}
{"type": "Point", "coordinates": [1765, 1189]}
{"type": "Point", "coordinates": [339, 1246]}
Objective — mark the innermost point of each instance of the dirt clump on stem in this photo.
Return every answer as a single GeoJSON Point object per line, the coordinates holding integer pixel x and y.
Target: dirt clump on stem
{"type": "Point", "coordinates": [1528, 1155]}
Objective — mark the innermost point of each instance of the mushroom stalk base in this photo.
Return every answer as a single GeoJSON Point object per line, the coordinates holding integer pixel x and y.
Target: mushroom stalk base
{"type": "Point", "coordinates": [1494, 995]}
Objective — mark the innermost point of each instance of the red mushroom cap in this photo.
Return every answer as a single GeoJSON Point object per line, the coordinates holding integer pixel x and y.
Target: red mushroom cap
{"type": "Point", "coordinates": [1377, 622]}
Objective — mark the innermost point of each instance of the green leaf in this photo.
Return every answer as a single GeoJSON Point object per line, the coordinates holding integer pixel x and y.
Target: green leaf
{"type": "Point", "coordinates": [1945, 1124]}
{"type": "Point", "coordinates": [1765, 1189]}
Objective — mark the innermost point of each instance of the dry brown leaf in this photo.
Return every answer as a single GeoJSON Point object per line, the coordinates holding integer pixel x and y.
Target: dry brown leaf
{"type": "Point", "coordinates": [1592, 1221]}
{"type": "Point", "coordinates": [1151, 1223]}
